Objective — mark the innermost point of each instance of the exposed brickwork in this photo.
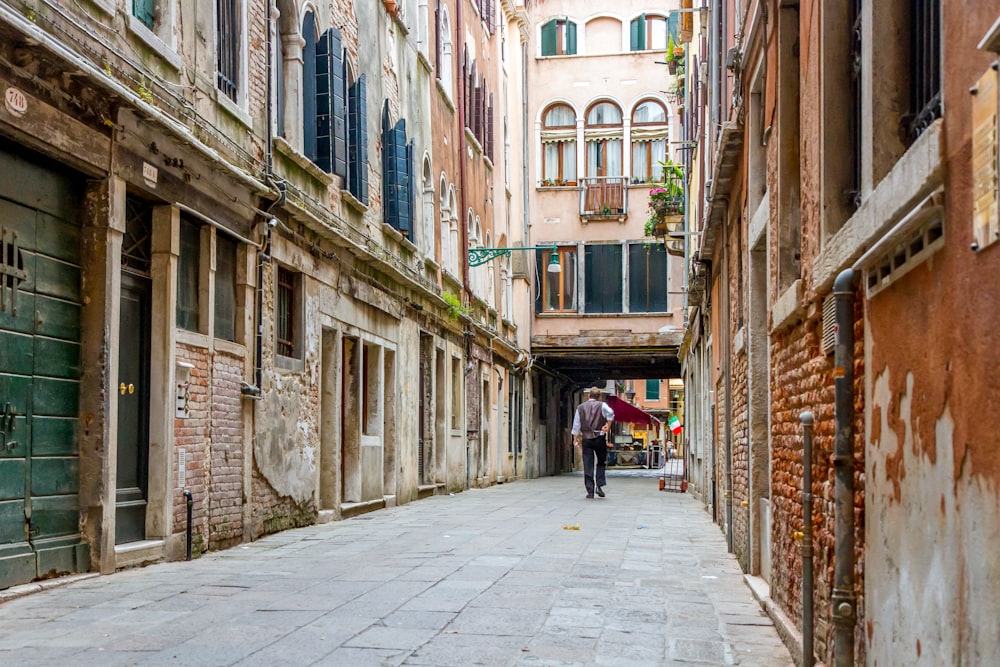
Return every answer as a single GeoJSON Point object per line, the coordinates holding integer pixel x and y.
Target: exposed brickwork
{"type": "Point", "coordinates": [802, 379]}
{"type": "Point", "coordinates": [192, 435]}
{"type": "Point", "coordinates": [225, 522]}
{"type": "Point", "coordinates": [741, 461]}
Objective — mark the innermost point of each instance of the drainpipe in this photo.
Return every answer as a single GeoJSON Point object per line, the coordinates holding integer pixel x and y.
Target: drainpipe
{"type": "Point", "coordinates": [500, 478]}
{"type": "Point", "coordinates": [808, 659]}
{"type": "Point", "coordinates": [462, 147]}
{"type": "Point", "coordinates": [843, 598]}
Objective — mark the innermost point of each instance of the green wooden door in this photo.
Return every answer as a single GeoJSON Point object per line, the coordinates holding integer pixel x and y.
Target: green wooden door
{"type": "Point", "coordinates": [133, 411]}
{"type": "Point", "coordinates": [39, 372]}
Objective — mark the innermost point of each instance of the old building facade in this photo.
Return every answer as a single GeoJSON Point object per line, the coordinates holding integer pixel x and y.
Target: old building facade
{"type": "Point", "coordinates": [845, 175]}
{"type": "Point", "coordinates": [236, 239]}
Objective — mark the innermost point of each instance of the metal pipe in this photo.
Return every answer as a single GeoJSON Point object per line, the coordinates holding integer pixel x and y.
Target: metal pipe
{"type": "Point", "coordinates": [189, 500]}
{"type": "Point", "coordinates": [843, 598]}
{"type": "Point", "coordinates": [808, 659]}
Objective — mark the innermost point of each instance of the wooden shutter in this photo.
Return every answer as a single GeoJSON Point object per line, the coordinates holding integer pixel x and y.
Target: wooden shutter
{"type": "Point", "coordinates": [603, 278]}
{"type": "Point", "coordinates": [638, 34]}
{"type": "Point", "coordinates": [338, 89]}
{"type": "Point", "coordinates": [309, 86]}
{"type": "Point", "coordinates": [390, 206]}
{"type": "Point", "coordinates": [489, 129]}
{"type": "Point", "coordinates": [549, 38]}
{"type": "Point", "coordinates": [403, 221]}
{"type": "Point", "coordinates": [324, 146]}
{"type": "Point", "coordinates": [358, 141]}
{"type": "Point", "coordinates": [477, 113]}
{"type": "Point", "coordinates": [570, 38]}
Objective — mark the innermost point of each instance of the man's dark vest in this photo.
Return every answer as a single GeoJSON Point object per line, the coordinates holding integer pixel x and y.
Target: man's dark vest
{"type": "Point", "coordinates": [591, 418]}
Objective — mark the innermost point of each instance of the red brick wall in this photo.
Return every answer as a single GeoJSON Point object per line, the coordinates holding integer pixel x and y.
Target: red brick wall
{"type": "Point", "coordinates": [741, 461]}
{"type": "Point", "coordinates": [225, 521]}
{"type": "Point", "coordinates": [802, 379]}
{"type": "Point", "coordinates": [191, 434]}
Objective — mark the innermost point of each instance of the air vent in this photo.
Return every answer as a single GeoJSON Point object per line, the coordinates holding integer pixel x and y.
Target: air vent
{"type": "Point", "coordinates": [904, 256]}
{"type": "Point", "coordinates": [829, 324]}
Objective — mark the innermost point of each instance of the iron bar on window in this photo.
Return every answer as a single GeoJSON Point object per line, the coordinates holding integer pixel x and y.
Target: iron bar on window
{"type": "Point", "coordinates": [227, 45]}
{"type": "Point", "coordinates": [925, 67]}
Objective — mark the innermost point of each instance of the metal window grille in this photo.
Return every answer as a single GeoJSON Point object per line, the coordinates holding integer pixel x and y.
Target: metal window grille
{"type": "Point", "coordinates": [853, 192]}
{"type": "Point", "coordinates": [227, 47]}
{"type": "Point", "coordinates": [925, 63]}
{"type": "Point", "coordinates": [286, 313]}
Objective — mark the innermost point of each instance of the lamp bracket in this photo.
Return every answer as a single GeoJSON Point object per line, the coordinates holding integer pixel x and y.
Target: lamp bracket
{"type": "Point", "coordinates": [479, 256]}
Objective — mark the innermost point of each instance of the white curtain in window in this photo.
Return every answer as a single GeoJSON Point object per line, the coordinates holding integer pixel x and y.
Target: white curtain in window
{"type": "Point", "coordinates": [659, 154]}
{"type": "Point", "coordinates": [552, 161]}
{"type": "Point", "coordinates": [614, 155]}
{"type": "Point", "coordinates": [560, 116]}
{"type": "Point", "coordinates": [640, 151]}
{"type": "Point", "coordinates": [569, 160]}
{"type": "Point", "coordinates": [657, 34]}
{"type": "Point", "coordinates": [593, 153]}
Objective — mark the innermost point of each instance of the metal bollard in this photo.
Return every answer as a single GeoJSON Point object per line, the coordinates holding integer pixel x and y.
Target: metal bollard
{"type": "Point", "coordinates": [808, 659]}
{"type": "Point", "coordinates": [190, 502]}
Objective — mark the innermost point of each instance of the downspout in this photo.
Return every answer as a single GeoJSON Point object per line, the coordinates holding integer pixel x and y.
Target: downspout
{"type": "Point", "coordinates": [500, 477]}
{"type": "Point", "coordinates": [461, 154]}
{"type": "Point", "coordinates": [843, 597]}
{"type": "Point", "coordinates": [808, 658]}
{"type": "Point", "coordinates": [727, 369]}
{"type": "Point", "coordinates": [525, 180]}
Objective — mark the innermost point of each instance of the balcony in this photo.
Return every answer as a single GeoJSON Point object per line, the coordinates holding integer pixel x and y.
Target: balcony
{"type": "Point", "coordinates": [604, 198]}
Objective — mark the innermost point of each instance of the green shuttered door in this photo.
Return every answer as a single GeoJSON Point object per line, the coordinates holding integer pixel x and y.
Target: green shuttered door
{"type": "Point", "coordinates": [39, 372]}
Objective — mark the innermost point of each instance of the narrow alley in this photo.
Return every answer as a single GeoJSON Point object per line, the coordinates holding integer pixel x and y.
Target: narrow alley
{"type": "Point", "coordinates": [496, 576]}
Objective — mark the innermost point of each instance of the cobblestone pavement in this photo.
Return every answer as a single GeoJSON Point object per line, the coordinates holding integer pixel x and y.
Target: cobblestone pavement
{"type": "Point", "coordinates": [528, 573]}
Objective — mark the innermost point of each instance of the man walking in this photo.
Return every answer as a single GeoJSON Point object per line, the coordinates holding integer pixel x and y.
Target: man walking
{"type": "Point", "coordinates": [590, 428]}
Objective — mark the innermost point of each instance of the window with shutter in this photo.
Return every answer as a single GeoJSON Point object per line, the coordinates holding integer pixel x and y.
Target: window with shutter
{"type": "Point", "coordinates": [403, 220]}
{"type": "Point", "coordinates": [570, 39]}
{"type": "Point", "coordinates": [309, 86]}
{"type": "Point", "coordinates": [549, 38]}
{"type": "Point", "coordinates": [638, 33]}
{"type": "Point", "coordinates": [652, 390]}
{"type": "Point", "coordinates": [338, 93]}
{"type": "Point", "coordinates": [602, 288]}
{"type": "Point", "coordinates": [390, 206]}
{"type": "Point", "coordinates": [322, 154]}
{"type": "Point", "coordinates": [647, 280]}
{"type": "Point", "coordinates": [358, 141]}
{"type": "Point", "coordinates": [489, 129]}
{"type": "Point", "coordinates": [227, 47]}
{"type": "Point", "coordinates": [438, 28]}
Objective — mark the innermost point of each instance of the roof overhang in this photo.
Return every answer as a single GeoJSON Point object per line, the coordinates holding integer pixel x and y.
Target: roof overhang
{"type": "Point", "coordinates": [609, 355]}
{"type": "Point", "coordinates": [728, 151]}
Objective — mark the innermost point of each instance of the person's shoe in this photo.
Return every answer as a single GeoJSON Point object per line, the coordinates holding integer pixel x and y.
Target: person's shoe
{"type": "Point", "coordinates": [590, 495]}
{"type": "Point", "coordinates": [600, 492]}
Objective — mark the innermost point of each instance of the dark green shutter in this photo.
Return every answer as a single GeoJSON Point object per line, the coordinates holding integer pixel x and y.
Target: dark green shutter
{"type": "Point", "coordinates": [652, 390]}
{"type": "Point", "coordinates": [400, 153]}
{"type": "Point", "coordinates": [639, 33]}
{"type": "Point", "coordinates": [570, 38]}
{"type": "Point", "coordinates": [673, 23]}
{"type": "Point", "coordinates": [603, 278]}
{"type": "Point", "coordinates": [358, 141]}
{"type": "Point", "coordinates": [647, 291]}
{"type": "Point", "coordinates": [338, 79]}
{"type": "Point", "coordinates": [309, 86]}
{"type": "Point", "coordinates": [322, 156]}
{"type": "Point", "coordinates": [549, 38]}
{"type": "Point", "coordinates": [389, 202]}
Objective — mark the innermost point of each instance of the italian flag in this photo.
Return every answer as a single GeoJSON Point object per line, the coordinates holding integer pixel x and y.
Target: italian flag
{"type": "Point", "coordinates": [674, 424]}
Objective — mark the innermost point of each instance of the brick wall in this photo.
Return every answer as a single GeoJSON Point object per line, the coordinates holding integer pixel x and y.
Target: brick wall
{"type": "Point", "coordinates": [192, 435]}
{"type": "Point", "coordinates": [741, 461]}
{"type": "Point", "coordinates": [802, 379]}
{"type": "Point", "coordinates": [225, 520]}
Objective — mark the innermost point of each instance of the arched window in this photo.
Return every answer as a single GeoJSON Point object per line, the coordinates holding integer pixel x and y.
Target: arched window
{"type": "Point", "coordinates": [453, 258]}
{"type": "Point", "coordinates": [649, 32]}
{"type": "Point", "coordinates": [603, 133]}
{"type": "Point", "coordinates": [445, 70]}
{"type": "Point", "coordinates": [649, 141]}
{"type": "Point", "coordinates": [559, 145]}
{"type": "Point", "coordinates": [427, 208]}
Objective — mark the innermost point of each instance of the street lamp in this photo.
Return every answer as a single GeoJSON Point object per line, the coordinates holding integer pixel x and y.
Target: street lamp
{"type": "Point", "coordinates": [630, 395]}
{"type": "Point", "coordinates": [479, 256]}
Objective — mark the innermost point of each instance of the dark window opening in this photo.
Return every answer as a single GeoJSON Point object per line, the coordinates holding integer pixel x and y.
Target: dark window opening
{"type": "Point", "coordinates": [227, 47]}
{"type": "Point", "coordinates": [925, 67]}
{"type": "Point", "coordinates": [189, 277]}
{"type": "Point", "coordinates": [602, 284]}
{"type": "Point", "coordinates": [225, 287]}
{"type": "Point", "coordinates": [286, 316]}
{"type": "Point", "coordinates": [647, 291]}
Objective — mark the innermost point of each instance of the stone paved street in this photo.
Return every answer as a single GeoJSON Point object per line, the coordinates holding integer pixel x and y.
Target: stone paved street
{"type": "Point", "coordinates": [485, 577]}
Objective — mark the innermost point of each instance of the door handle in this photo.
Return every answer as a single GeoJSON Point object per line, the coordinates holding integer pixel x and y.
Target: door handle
{"type": "Point", "coordinates": [131, 388]}
{"type": "Point", "coordinates": [121, 389]}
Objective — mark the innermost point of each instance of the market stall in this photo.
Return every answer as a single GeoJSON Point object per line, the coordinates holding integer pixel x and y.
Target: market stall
{"type": "Point", "coordinates": [628, 449]}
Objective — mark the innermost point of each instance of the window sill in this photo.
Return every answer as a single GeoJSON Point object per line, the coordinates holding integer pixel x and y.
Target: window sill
{"type": "Point", "coordinates": [568, 187]}
{"type": "Point", "coordinates": [290, 152]}
{"type": "Point", "coordinates": [914, 176]}
{"type": "Point", "coordinates": [230, 347]}
{"type": "Point", "coordinates": [567, 313]}
{"type": "Point", "coordinates": [233, 109]}
{"type": "Point", "coordinates": [288, 364]}
{"type": "Point", "coordinates": [348, 198]}
{"type": "Point", "coordinates": [471, 138]}
{"type": "Point", "coordinates": [423, 60]}
{"type": "Point", "coordinates": [398, 235]}
{"type": "Point", "coordinates": [153, 41]}
{"type": "Point", "coordinates": [192, 338]}
{"type": "Point", "coordinates": [787, 311]}
{"type": "Point", "coordinates": [445, 95]}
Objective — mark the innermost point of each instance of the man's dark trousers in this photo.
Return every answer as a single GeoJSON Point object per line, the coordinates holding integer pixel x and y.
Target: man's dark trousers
{"type": "Point", "coordinates": [594, 448]}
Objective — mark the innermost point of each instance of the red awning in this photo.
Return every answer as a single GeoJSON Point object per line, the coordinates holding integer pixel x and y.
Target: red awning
{"type": "Point", "coordinates": [626, 412]}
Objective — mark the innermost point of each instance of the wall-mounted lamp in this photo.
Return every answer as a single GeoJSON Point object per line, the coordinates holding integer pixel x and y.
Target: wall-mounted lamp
{"type": "Point", "coordinates": [479, 256]}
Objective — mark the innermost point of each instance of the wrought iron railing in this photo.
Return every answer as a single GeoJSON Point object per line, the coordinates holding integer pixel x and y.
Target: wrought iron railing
{"type": "Point", "coordinates": [603, 195]}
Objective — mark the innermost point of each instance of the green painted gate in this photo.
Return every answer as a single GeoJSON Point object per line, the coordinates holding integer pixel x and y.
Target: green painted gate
{"type": "Point", "coordinates": [39, 371]}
